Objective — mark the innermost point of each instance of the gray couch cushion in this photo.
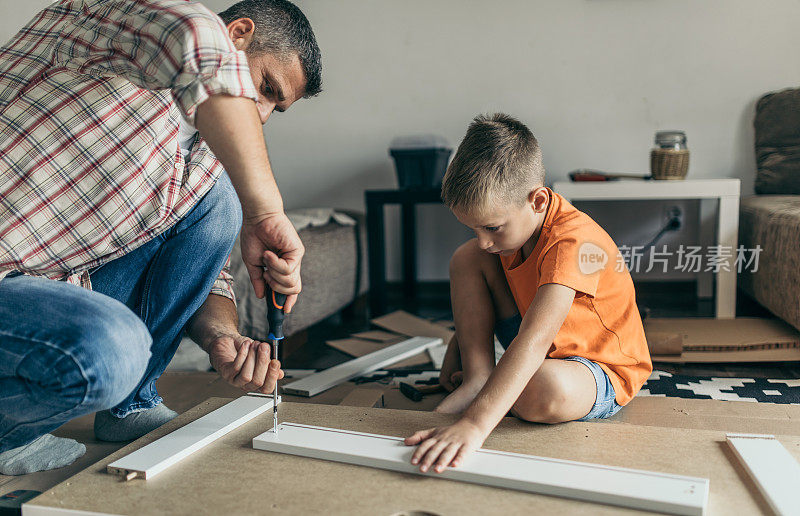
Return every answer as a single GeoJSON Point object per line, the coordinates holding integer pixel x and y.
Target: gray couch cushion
{"type": "Point", "coordinates": [777, 127]}
{"type": "Point", "coordinates": [333, 275]}
{"type": "Point", "coordinates": [773, 222]}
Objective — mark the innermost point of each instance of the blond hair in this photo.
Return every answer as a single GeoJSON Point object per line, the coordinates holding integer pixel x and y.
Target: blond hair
{"type": "Point", "coordinates": [498, 161]}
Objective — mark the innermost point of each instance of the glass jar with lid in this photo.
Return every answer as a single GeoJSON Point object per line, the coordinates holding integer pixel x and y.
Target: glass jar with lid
{"type": "Point", "coordinates": [669, 158]}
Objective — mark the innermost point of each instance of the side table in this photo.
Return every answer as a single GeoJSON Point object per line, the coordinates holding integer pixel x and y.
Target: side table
{"type": "Point", "coordinates": [376, 200]}
{"type": "Point", "coordinates": [727, 225]}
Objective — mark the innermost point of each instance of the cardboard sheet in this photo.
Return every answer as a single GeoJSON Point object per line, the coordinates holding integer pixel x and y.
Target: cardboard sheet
{"type": "Point", "coordinates": [378, 336]}
{"type": "Point", "coordinates": [364, 397]}
{"type": "Point", "coordinates": [413, 326]}
{"type": "Point", "coordinates": [664, 343]}
{"type": "Point", "coordinates": [230, 477]}
{"type": "Point", "coordinates": [746, 339]}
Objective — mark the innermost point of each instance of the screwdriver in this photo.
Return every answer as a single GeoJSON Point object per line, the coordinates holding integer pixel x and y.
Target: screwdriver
{"type": "Point", "coordinates": [275, 316]}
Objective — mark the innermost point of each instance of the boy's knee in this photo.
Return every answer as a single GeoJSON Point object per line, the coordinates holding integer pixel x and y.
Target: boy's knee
{"type": "Point", "coordinates": [538, 410]}
{"type": "Point", "coordinates": [541, 402]}
{"type": "Point", "coordinates": [468, 257]}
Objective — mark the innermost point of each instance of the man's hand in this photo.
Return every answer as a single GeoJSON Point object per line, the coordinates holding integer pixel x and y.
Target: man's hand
{"type": "Point", "coordinates": [445, 446]}
{"type": "Point", "coordinates": [245, 363]}
{"type": "Point", "coordinates": [450, 376]}
{"type": "Point", "coordinates": [272, 242]}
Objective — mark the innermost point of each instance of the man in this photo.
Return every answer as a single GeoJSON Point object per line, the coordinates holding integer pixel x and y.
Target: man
{"type": "Point", "coordinates": [106, 184]}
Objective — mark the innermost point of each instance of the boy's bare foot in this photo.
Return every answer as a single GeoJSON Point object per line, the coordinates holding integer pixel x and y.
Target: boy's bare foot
{"type": "Point", "coordinates": [458, 400]}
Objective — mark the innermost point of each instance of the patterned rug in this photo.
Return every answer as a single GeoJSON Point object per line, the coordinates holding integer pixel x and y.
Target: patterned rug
{"type": "Point", "coordinates": [731, 389]}
{"type": "Point", "coordinates": [659, 384]}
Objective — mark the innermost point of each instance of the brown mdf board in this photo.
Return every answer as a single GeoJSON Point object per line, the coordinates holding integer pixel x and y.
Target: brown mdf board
{"type": "Point", "coordinates": [746, 339]}
{"type": "Point", "coordinates": [230, 477]}
{"type": "Point", "coordinates": [727, 416]}
{"type": "Point", "coordinates": [413, 326]}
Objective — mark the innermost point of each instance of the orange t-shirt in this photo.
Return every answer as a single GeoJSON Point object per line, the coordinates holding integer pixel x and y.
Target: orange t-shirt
{"type": "Point", "coordinates": [603, 324]}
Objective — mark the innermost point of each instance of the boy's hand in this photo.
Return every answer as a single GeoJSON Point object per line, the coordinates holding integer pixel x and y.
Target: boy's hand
{"type": "Point", "coordinates": [445, 446]}
{"type": "Point", "coordinates": [449, 375]}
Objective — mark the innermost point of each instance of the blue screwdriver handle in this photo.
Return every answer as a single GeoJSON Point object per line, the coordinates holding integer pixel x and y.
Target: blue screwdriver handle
{"type": "Point", "coordinates": [275, 315]}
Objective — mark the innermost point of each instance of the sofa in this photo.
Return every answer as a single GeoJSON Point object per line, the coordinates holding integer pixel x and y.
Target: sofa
{"type": "Point", "coordinates": [334, 275]}
{"type": "Point", "coordinates": [771, 218]}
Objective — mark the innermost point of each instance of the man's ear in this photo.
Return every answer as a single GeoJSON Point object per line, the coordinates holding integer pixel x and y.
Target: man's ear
{"type": "Point", "coordinates": [241, 32]}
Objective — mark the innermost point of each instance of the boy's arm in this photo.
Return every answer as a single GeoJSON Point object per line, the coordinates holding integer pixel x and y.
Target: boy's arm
{"type": "Point", "coordinates": [447, 446]}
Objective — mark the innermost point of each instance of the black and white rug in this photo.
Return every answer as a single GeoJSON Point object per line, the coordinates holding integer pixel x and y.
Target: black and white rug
{"type": "Point", "coordinates": [730, 389]}
{"type": "Point", "coordinates": [660, 384]}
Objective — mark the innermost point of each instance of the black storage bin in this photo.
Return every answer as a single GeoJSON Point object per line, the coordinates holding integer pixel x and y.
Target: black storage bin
{"type": "Point", "coordinates": [420, 161]}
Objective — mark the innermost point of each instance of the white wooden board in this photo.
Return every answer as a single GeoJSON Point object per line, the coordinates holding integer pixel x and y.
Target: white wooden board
{"type": "Point", "coordinates": [150, 460]}
{"type": "Point", "coordinates": [577, 480]}
{"type": "Point", "coordinates": [773, 469]}
{"type": "Point", "coordinates": [324, 380]}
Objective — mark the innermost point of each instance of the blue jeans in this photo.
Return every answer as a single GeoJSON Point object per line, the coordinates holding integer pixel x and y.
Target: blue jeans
{"type": "Point", "coordinates": [605, 403]}
{"type": "Point", "coordinates": [66, 351]}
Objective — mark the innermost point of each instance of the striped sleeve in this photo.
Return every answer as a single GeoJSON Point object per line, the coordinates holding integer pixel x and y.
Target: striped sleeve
{"type": "Point", "coordinates": [159, 44]}
{"type": "Point", "coordinates": [223, 285]}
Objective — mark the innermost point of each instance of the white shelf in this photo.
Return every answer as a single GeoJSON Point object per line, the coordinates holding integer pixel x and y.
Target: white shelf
{"type": "Point", "coordinates": [651, 189]}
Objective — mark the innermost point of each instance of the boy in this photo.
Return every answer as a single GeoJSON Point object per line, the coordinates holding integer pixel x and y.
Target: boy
{"type": "Point", "coordinates": [548, 281]}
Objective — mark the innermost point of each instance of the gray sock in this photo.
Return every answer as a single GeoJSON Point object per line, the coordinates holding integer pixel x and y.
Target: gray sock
{"type": "Point", "coordinates": [132, 426]}
{"type": "Point", "coordinates": [46, 452]}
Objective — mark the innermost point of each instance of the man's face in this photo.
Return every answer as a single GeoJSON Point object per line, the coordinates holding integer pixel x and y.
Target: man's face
{"type": "Point", "coordinates": [504, 229]}
{"type": "Point", "coordinates": [279, 81]}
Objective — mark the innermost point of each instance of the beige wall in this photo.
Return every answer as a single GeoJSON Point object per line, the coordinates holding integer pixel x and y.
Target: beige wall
{"type": "Point", "coordinates": [594, 79]}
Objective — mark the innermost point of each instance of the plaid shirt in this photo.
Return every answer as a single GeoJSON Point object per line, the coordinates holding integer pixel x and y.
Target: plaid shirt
{"type": "Point", "coordinates": [91, 95]}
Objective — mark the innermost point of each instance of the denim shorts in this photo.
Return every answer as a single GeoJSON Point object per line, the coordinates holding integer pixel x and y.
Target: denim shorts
{"type": "Point", "coordinates": [605, 404]}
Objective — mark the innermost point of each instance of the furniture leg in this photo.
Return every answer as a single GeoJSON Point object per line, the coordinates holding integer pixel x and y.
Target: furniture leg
{"type": "Point", "coordinates": [376, 246]}
{"type": "Point", "coordinates": [727, 235]}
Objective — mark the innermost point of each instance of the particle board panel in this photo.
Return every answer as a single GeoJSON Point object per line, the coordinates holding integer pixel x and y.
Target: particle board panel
{"type": "Point", "coordinates": [596, 483]}
{"type": "Point", "coordinates": [157, 456]}
{"type": "Point", "coordinates": [230, 477]}
{"type": "Point", "coordinates": [356, 347]}
{"type": "Point", "coordinates": [773, 469]}
{"type": "Point", "coordinates": [324, 380]}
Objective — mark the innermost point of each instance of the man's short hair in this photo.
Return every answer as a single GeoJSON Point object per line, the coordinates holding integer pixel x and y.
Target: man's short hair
{"type": "Point", "coordinates": [498, 161]}
{"type": "Point", "coordinates": [281, 29]}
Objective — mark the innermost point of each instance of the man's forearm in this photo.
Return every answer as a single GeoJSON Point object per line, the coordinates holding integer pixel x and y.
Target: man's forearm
{"type": "Point", "coordinates": [216, 317]}
{"type": "Point", "coordinates": [233, 130]}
